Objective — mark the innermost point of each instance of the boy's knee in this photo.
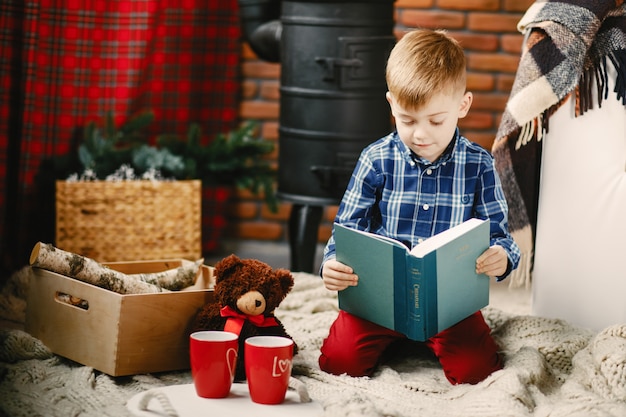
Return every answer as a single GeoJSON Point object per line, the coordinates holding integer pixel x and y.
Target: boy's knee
{"type": "Point", "coordinates": [354, 346]}
{"type": "Point", "coordinates": [347, 358]}
{"type": "Point", "coordinates": [466, 351]}
{"type": "Point", "coordinates": [343, 365]}
{"type": "Point", "coordinates": [471, 370]}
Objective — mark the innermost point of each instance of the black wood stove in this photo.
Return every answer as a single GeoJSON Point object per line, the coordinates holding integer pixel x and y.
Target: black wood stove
{"type": "Point", "coordinates": [332, 98]}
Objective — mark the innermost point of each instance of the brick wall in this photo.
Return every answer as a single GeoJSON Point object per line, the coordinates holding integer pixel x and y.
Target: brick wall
{"type": "Point", "coordinates": [487, 31]}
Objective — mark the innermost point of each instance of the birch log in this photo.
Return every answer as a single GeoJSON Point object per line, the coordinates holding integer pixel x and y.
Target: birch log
{"type": "Point", "coordinates": [46, 256]}
{"type": "Point", "coordinates": [174, 279]}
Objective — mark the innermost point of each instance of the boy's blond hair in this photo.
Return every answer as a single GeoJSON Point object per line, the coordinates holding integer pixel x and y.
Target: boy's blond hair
{"type": "Point", "coordinates": [423, 63]}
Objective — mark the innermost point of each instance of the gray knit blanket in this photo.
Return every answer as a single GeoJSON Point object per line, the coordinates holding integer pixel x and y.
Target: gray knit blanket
{"type": "Point", "coordinates": [567, 46]}
{"type": "Point", "coordinates": [551, 369]}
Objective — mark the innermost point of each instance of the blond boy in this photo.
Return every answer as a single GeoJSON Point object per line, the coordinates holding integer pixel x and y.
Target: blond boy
{"type": "Point", "coordinates": [418, 181]}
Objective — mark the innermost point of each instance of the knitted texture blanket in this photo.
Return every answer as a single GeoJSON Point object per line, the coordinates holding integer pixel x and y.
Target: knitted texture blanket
{"type": "Point", "coordinates": [551, 369]}
{"type": "Point", "coordinates": [567, 46]}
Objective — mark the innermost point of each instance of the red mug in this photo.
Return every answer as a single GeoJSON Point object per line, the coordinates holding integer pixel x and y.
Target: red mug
{"type": "Point", "coordinates": [213, 357]}
{"type": "Point", "coordinates": [268, 362]}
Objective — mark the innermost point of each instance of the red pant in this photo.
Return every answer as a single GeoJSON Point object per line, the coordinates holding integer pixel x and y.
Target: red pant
{"type": "Point", "coordinates": [466, 351]}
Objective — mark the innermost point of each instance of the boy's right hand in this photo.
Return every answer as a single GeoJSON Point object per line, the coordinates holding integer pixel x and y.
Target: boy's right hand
{"type": "Point", "coordinates": [338, 276]}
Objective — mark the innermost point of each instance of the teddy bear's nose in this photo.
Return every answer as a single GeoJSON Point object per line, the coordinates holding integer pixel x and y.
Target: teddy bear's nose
{"type": "Point", "coordinates": [252, 303]}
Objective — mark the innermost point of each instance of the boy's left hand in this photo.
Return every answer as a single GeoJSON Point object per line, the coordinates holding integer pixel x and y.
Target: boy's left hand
{"type": "Point", "coordinates": [493, 262]}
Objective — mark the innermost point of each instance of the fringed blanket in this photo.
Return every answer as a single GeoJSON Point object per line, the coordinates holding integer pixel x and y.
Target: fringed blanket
{"type": "Point", "coordinates": [567, 45]}
{"type": "Point", "coordinates": [551, 369]}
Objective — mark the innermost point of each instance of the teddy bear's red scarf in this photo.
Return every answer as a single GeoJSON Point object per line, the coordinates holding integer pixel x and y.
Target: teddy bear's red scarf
{"type": "Point", "coordinates": [235, 320]}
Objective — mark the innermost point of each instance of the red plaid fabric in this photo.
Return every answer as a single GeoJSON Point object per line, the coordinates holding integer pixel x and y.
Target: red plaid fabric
{"type": "Point", "coordinates": [65, 62]}
{"type": "Point", "coordinates": [214, 209]}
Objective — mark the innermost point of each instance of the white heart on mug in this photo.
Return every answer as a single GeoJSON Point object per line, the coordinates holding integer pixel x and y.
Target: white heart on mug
{"type": "Point", "coordinates": [284, 365]}
{"type": "Point", "coordinates": [281, 366]}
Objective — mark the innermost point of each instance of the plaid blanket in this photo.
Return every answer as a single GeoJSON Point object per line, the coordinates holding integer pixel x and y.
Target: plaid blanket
{"type": "Point", "coordinates": [567, 47]}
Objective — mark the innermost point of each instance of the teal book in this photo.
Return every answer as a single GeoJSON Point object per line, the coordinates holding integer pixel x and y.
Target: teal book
{"type": "Point", "coordinates": [417, 292]}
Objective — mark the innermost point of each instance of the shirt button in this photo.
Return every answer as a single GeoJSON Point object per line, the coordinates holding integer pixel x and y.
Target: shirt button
{"type": "Point", "coordinates": [425, 206]}
{"type": "Point", "coordinates": [429, 171]}
{"type": "Point", "coordinates": [420, 240]}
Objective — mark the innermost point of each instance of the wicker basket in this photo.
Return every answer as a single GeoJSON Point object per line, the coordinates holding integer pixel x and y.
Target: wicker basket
{"type": "Point", "coordinates": [129, 220]}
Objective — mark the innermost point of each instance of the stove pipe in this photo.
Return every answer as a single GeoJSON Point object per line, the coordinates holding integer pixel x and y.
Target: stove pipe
{"type": "Point", "coordinates": [332, 98]}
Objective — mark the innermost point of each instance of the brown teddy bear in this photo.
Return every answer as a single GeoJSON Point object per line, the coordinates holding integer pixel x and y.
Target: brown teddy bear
{"type": "Point", "coordinates": [247, 292]}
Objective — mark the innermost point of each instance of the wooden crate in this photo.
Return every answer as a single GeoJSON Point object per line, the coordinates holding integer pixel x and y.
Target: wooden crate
{"type": "Point", "coordinates": [117, 334]}
{"type": "Point", "coordinates": [129, 220]}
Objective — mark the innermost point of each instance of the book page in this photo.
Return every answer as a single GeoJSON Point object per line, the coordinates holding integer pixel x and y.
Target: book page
{"type": "Point", "coordinates": [444, 237]}
{"type": "Point", "coordinates": [375, 236]}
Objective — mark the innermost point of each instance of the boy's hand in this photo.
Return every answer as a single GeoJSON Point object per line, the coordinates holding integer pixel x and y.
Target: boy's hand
{"type": "Point", "coordinates": [493, 262]}
{"type": "Point", "coordinates": [338, 276]}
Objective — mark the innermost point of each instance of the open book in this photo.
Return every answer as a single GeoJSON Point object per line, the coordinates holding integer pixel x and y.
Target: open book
{"type": "Point", "coordinates": [418, 292]}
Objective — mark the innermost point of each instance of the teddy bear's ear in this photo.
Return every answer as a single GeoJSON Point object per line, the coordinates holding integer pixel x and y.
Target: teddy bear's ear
{"type": "Point", "coordinates": [286, 280]}
{"type": "Point", "coordinates": [225, 267]}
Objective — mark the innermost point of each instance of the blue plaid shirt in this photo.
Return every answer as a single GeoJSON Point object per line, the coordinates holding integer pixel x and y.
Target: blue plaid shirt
{"type": "Point", "coordinates": [395, 193]}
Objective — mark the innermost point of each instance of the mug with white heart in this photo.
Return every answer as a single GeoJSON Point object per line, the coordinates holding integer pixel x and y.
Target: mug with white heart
{"type": "Point", "coordinates": [268, 362]}
{"type": "Point", "coordinates": [213, 357]}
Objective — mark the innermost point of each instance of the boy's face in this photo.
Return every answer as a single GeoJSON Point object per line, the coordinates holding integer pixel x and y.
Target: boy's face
{"type": "Point", "coordinates": [427, 131]}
